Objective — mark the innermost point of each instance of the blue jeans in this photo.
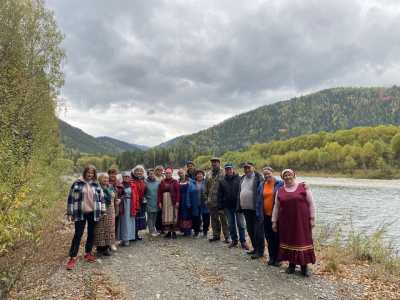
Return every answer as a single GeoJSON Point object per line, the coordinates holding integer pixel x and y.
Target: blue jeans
{"type": "Point", "coordinates": [236, 219]}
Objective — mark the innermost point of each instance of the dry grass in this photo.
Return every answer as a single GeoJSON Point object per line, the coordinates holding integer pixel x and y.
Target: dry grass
{"type": "Point", "coordinates": [366, 261]}
{"type": "Point", "coordinates": [34, 266]}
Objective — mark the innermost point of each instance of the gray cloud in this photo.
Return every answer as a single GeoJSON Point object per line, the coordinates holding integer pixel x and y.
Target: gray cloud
{"type": "Point", "coordinates": [181, 66]}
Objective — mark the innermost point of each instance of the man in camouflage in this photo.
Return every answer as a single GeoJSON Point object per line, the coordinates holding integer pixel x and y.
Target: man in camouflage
{"type": "Point", "coordinates": [218, 218]}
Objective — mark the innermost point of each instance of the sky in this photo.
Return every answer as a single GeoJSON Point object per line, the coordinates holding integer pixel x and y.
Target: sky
{"type": "Point", "coordinates": [150, 70]}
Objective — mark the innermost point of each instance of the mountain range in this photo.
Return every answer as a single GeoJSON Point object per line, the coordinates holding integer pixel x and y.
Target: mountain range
{"type": "Point", "coordinates": [74, 139]}
{"type": "Point", "coordinates": [326, 110]}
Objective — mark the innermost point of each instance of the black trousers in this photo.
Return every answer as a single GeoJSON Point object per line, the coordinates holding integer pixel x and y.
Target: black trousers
{"type": "Point", "coordinates": [159, 226]}
{"type": "Point", "coordinates": [79, 229]}
{"type": "Point", "coordinates": [196, 223]}
{"type": "Point", "coordinates": [272, 239]}
{"type": "Point", "coordinates": [206, 222]}
{"type": "Point", "coordinates": [197, 220]}
{"type": "Point", "coordinates": [255, 229]}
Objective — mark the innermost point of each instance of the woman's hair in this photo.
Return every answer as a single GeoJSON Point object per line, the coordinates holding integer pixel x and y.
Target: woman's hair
{"type": "Point", "coordinates": [112, 171]}
{"type": "Point", "coordinates": [139, 167]}
{"type": "Point", "coordinates": [87, 169]}
{"type": "Point", "coordinates": [101, 176]}
{"type": "Point", "coordinates": [199, 171]}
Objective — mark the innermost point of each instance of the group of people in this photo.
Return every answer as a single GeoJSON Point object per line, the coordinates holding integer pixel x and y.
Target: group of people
{"type": "Point", "coordinates": [279, 211]}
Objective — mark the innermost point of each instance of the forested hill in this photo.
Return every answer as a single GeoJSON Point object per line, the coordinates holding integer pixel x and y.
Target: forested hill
{"type": "Point", "coordinates": [77, 140]}
{"type": "Point", "coordinates": [364, 152]}
{"type": "Point", "coordinates": [327, 110]}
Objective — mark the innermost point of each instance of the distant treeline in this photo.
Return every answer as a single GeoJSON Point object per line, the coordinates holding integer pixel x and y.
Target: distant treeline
{"type": "Point", "coordinates": [171, 156]}
{"type": "Point", "coordinates": [364, 151]}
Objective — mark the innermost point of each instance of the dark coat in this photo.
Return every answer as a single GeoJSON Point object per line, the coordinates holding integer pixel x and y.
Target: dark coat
{"type": "Point", "coordinates": [257, 180]}
{"type": "Point", "coordinates": [228, 191]}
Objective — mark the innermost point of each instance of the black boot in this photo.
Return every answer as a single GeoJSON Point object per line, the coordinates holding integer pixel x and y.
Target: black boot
{"type": "Point", "coordinates": [168, 235]}
{"type": "Point", "coordinates": [304, 271]}
{"type": "Point", "coordinates": [291, 268]}
{"type": "Point", "coordinates": [233, 244]}
{"type": "Point", "coordinates": [173, 236]}
{"type": "Point", "coordinates": [99, 251]}
{"type": "Point", "coordinates": [274, 262]}
{"type": "Point", "coordinates": [256, 256]}
{"type": "Point", "coordinates": [107, 251]}
{"type": "Point", "coordinates": [214, 239]}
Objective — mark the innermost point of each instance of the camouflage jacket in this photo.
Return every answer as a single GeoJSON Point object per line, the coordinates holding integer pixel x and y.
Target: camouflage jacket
{"type": "Point", "coordinates": [212, 183]}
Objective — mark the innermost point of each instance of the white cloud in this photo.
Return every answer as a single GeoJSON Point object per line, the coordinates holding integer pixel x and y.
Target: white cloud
{"type": "Point", "coordinates": [167, 68]}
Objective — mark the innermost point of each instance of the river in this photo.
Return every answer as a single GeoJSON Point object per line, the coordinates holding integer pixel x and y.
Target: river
{"type": "Point", "coordinates": [361, 203]}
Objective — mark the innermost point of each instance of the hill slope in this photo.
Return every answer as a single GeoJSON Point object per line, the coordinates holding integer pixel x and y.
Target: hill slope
{"type": "Point", "coordinates": [327, 110]}
{"type": "Point", "coordinates": [119, 145]}
{"type": "Point", "coordinates": [75, 139]}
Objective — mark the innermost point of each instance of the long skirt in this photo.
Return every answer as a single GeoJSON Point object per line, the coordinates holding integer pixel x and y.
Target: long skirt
{"type": "Point", "coordinates": [169, 213]}
{"type": "Point", "coordinates": [185, 218]}
{"type": "Point", "coordinates": [141, 223]}
{"type": "Point", "coordinates": [127, 223]}
{"type": "Point", "coordinates": [295, 234]}
{"type": "Point", "coordinates": [104, 231]}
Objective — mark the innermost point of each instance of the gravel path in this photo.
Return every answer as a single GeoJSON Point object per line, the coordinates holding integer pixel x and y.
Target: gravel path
{"type": "Point", "coordinates": [156, 268]}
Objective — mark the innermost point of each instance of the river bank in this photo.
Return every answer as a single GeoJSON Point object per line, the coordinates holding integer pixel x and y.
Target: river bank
{"type": "Point", "coordinates": [357, 174]}
{"type": "Point", "coordinates": [192, 269]}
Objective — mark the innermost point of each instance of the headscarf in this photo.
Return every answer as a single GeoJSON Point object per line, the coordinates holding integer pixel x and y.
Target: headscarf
{"type": "Point", "coordinates": [126, 173]}
{"type": "Point", "coordinates": [288, 170]}
{"type": "Point", "coordinates": [169, 168]}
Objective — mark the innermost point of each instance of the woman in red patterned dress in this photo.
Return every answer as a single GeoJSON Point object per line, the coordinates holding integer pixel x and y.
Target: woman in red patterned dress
{"type": "Point", "coordinates": [294, 217]}
{"type": "Point", "coordinates": [168, 201]}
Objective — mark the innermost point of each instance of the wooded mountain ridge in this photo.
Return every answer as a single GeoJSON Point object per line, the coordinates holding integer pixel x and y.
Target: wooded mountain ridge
{"type": "Point", "coordinates": [326, 110]}
{"type": "Point", "coordinates": [75, 139]}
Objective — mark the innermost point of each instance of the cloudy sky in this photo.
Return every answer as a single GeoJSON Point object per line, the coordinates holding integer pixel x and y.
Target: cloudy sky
{"type": "Point", "coordinates": [150, 70]}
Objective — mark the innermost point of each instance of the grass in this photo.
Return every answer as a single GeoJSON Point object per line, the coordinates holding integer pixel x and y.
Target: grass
{"type": "Point", "coordinates": [31, 221]}
{"type": "Point", "coordinates": [367, 265]}
{"type": "Point", "coordinates": [354, 247]}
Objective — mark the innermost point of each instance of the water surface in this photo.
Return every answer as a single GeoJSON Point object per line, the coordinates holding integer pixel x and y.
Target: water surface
{"type": "Point", "coordinates": [364, 203]}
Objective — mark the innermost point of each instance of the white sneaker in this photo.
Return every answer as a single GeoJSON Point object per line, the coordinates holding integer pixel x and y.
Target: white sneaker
{"type": "Point", "coordinates": [113, 248]}
{"type": "Point", "coordinates": [155, 234]}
